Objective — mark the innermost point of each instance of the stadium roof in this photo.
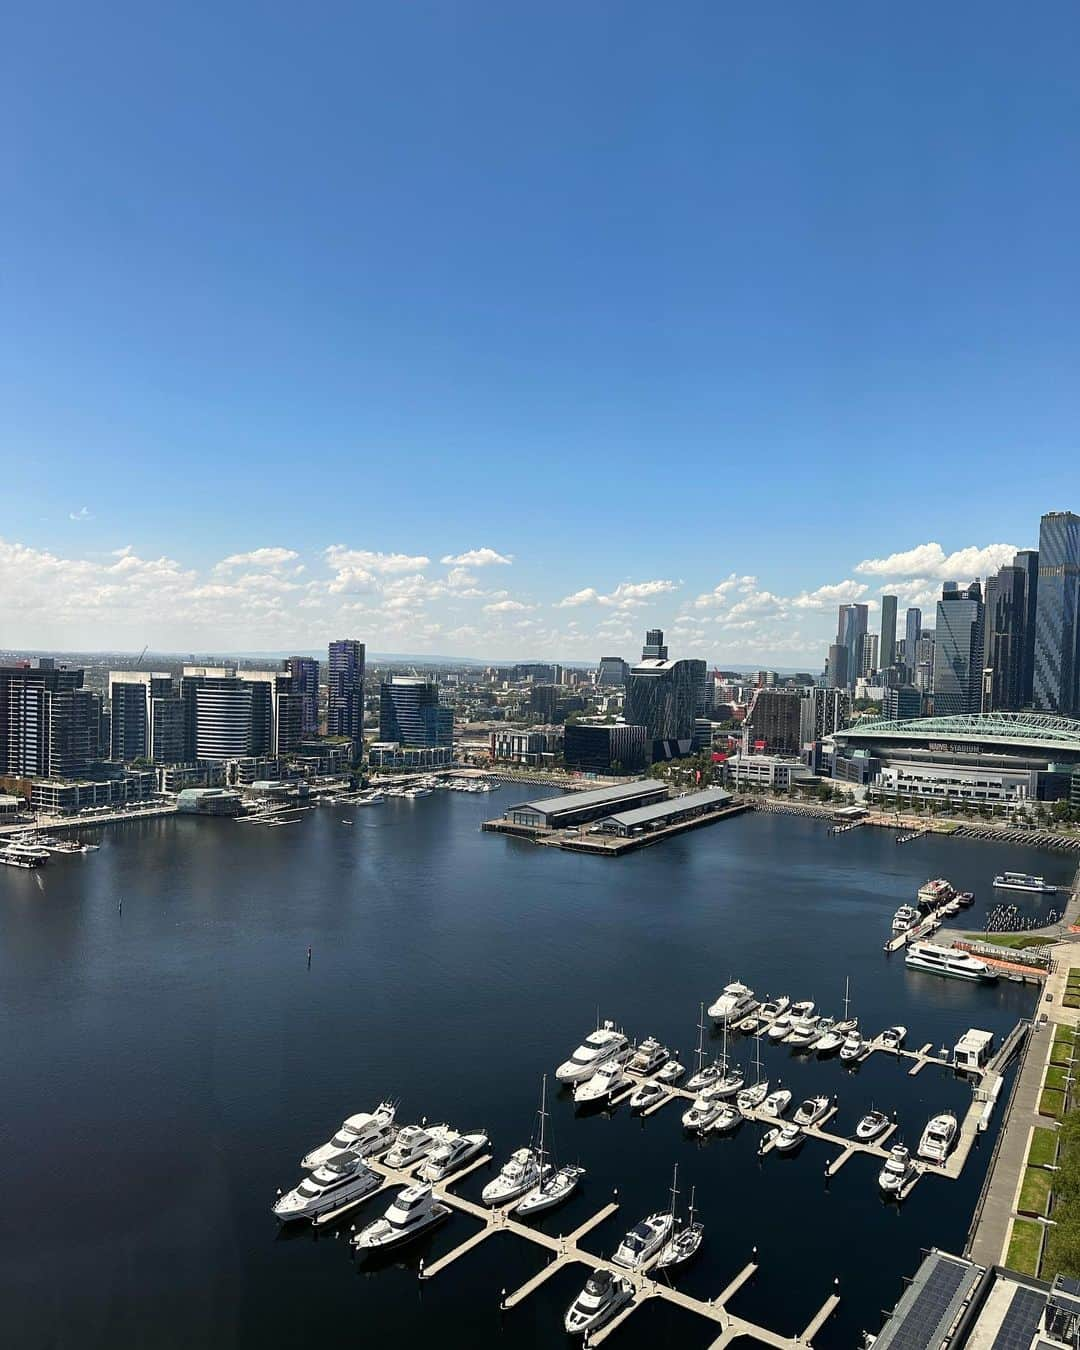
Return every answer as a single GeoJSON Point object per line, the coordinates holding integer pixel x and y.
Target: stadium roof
{"type": "Point", "coordinates": [998, 728]}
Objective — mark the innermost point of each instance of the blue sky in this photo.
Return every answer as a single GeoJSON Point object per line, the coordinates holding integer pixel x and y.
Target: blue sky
{"type": "Point", "coordinates": [636, 296]}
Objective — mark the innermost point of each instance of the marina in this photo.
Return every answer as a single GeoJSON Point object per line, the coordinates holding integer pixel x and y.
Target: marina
{"type": "Point", "coordinates": [198, 1006]}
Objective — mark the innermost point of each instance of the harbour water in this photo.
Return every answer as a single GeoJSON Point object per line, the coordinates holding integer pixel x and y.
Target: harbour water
{"type": "Point", "coordinates": [167, 1061]}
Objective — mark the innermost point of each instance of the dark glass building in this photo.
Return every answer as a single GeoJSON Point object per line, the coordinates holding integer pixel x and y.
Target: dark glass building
{"type": "Point", "coordinates": [912, 634]}
{"type": "Point", "coordinates": [1003, 656]}
{"type": "Point", "coordinates": [146, 719]}
{"type": "Point", "coordinates": [304, 671]}
{"type": "Point", "coordinates": [50, 726]}
{"type": "Point", "coordinates": [851, 635]}
{"type": "Point", "coordinates": [345, 690]}
{"type": "Point", "coordinates": [411, 715]}
{"type": "Point", "coordinates": [612, 671]}
{"type": "Point", "coordinates": [665, 697]}
{"type": "Point", "coordinates": [887, 646]}
{"type": "Point", "coordinates": [1028, 562]}
{"type": "Point", "coordinates": [1056, 674]}
{"type": "Point", "coordinates": [605, 749]}
{"type": "Point", "coordinates": [958, 651]}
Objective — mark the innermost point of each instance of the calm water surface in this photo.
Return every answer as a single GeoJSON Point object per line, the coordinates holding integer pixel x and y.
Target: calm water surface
{"type": "Point", "coordinates": [166, 1066]}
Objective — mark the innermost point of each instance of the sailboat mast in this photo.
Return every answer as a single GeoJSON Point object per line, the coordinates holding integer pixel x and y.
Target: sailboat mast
{"type": "Point", "coordinates": [543, 1116]}
{"type": "Point", "coordinates": [701, 1038]}
{"type": "Point", "coordinates": [674, 1191]}
{"type": "Point", "coordinates": [847, 989]}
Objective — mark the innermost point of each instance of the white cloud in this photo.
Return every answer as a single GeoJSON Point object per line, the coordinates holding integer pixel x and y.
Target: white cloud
{"type": "Point", "coordinates": [260, 557]}
{"type": "Point", "coordinates": [384, 564]}
{"type": "Point", "coordinates": [82, 513]}
{"type": "Point", "coordinates": [478, 557]}
{"type": "Point", "coordinates": [841, 593]}
{"type": "Point", "coordinates": [506, 607]}
{"type": "Point", "coordinates": [931, 560]}
{"type": "Point", "coordinates": [720, 593]}
{"type": "Point", "coordinates": [627, 595]}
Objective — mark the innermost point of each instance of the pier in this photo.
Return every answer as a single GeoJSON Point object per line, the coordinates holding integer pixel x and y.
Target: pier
{"type": "Point", "coordinates": [566, 1251]}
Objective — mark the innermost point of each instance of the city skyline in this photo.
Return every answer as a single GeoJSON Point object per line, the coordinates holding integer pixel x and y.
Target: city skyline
{"type": "Point", "coordinates": [475, 603]}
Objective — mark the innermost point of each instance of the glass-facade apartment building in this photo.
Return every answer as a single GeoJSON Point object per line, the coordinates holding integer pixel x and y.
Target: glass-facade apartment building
{"type": "Point", "coordinates": [345, 690]}
{"type": "Point", "coordinates": [1056, 675]}
{"type": "Point", "coordinates": [958, 651]}
{"type": "Point", "coordinates": [410, 713]}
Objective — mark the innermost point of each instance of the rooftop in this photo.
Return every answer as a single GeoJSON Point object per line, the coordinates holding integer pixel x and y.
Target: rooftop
{"type": "Point", "coordinates": [1002, 728]}
{"type": "Point", "coordinates": [642, 815]}
{"type": "Point", "coordinates": [595, 797]}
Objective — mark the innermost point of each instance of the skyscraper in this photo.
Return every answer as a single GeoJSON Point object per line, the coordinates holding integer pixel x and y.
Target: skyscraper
{"type": "Point", "coordinates": [1003, 655]}
{"type": "Point", "coordinates": [958, 651]}
{"type": "Point", "coordinates": [837, 663]}
{"type": "Point", "coordinates": [146, 718]}
{"type": "Point", "coordinates": [1028, 562]}
{"type": "Point", "coordinates": [612, 671]}
{"type": "Point", "coordinates": [664, 696]}
{"type": "Point", "coordinates": [50, 726]}
{"type": "Point", "coordinates": [411, 715]}
{"type": "Point", "coordinates": [345, 686]}
{"type": "Point", "coordinates": [654, 648]}
{"type": "Point", "coordinates": [887, 645]}
{"type": "Point", "coordinates": [912, 633]}
{"type": "Point", "coordinates": [305, 682]}
{"type": "Point", "coordinates": [851, 634]}
{"type": "Point", "coordinates": [1056, 676]}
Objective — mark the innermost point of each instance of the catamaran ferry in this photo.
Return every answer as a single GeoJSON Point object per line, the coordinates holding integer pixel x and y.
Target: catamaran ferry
{"type": "Point", "coordinates": [935, 894]}
{"type": "Point", "coordinates": [948, 961]}
{"type": "Point", "coordinates": [1022, 881]}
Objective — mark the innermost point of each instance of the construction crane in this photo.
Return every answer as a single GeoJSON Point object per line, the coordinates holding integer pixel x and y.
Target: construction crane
{"type": "Point", "coordinates": [138, 659]}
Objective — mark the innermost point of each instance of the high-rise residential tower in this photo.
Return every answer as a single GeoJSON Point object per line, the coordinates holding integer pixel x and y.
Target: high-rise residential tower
{"type": "Point", "coordinates": [147, 719]}
{"type": "Point", "coordinates": [959, 650]}
{"type": "Point", "coordinates": [912, 633]}
{"type": "Point", "coordinates": [1028, 562]}
{"type": "Point", "coordinates": [345, 690]}
{"type": "Point", "coordinates": [851, 634]}
{"type": "Point", "coordinates": [1056, 675]}
{"type": "Point", "coordinates": [1003, 653]}
{"type": "Point", "coordinates": [304, 671]}
{"type": "Point", "coordinates": [50, 726]}
{"type": "Point", "coordinates": [410, 713]}
{"type": "Point", "coordinates": [887, 645]}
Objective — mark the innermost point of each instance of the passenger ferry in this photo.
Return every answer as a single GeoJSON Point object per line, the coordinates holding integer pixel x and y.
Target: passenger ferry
{"type": "Point", "coordinates": [948, 961]}
{"type": "Point", "coordinates": [935, 893]}
{"type": "Point", "coordinates": [1022, 881]}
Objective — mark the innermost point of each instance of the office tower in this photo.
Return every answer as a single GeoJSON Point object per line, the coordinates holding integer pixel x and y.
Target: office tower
{"type": "Point", "coordinates": [887, 646]}
{"type": "Point", "coordinates": [1003, 654]}
{"type": "Point", "coordinates": [147, 720]}
{"type": "Point", "coordinates": [654, 648]}
{"type": "Point", "coordinates": [870, 653]}
{"type": "Point", "coordinates": [957, 679]}
{"type": "Point", "coordinates": [1028, 562]}
{"type": "Point", "coordinates": [1056, 676]}
{"type": "Point", "coordinates": [601, 749]}
{"type": "Point", "coordinates": [851, 635]}
{"type": "Point", "coordinates": [664, 696]}
{"type": "Point", "coordinates": [304, 671]}
{"type": "Point", "coordinates": [543, 700]}
{"type": "Point", "coordinates": [345, 690]}
{"type": "Point", "coordinates": [912, 633]}
{"type": "Point", "coordinates": [611, 672]}
{"type": "Point", "coordinates": [411, 715]}
{"type": "Point", "coordinates": [50, 726]}
{"type": "Point", "coordinates": [837, 663]}
{"type": "Point", "coordinates": [902, 703]}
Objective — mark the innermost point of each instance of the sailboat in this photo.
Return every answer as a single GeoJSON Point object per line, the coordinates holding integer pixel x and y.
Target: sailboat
{"type": "Point", "coordinates": [705, 1075]}
{"type": "Point", "coordinates": [557, 1185]}
{"type": "Point", "coordinates": [731, 1079]}
{"type": "Point", "coordinates": [838, 1033]}
{"type": "Point", "coordinates": [685, 1243]}
{"type": "Point", "coordinates": [750, 1098]}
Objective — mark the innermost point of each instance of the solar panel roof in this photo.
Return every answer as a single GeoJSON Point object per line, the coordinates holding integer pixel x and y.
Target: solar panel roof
{"type": "Point", "coordinates": [930, 1304]}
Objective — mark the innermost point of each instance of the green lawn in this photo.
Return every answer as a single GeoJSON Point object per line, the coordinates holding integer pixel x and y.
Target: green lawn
{"type": "Point", "coordinates": [1055, 1078]}
{"type": "Point", "coordinates": [1074, 972]}
{"type": "Point", "coordinates": [1061, 1054]}
{"type": "Point", "coordinates": [1043, 1148]}
{"type": "Point", "coordinates": [1051, 1103]}
{"type": "Point", "coordinates": [1071, 1001]}
{"type": "Point", "coordinates": [1015, 940]}
{"type": "Point", "coordinates": [1024, 1246]}
{"type": "Point", "coordinates": [1064, 1034]}
{"type": "Point", "coordinates": [1035, 1192]}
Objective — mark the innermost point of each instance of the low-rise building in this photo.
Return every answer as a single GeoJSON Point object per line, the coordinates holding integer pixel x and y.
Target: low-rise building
{"type": "Point", "coordinates": [605, 748]}
{"type": "Point", "coordinates": [174, 778]}
{"type": "Point", "coordinates": [580, 808]}
{"type": "Point", "coordinates": [64, 796]}
{"type": "Point", "coordinates": [209, 801]}
{"type": "Point", "coordinates": [394, 755]}
{"type": "Point", "coordinates": [775, 772]}
{"type": "Point", "coordinates": [532, 747]}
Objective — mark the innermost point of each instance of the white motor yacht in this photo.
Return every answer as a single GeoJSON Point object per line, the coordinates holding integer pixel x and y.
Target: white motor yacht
{"type": "Point", "coordinates": [671, 1072]}
{"type": "Point", "coordinates": [604, 1083]}
{"type": "Point", "coordinates": [892, 1038]}
{"type": "Point", "coordinates": [781, 1026]}
{"type": "Point", "coordinates": [701, 1113]}
{"type": "Point", "coordinates": [907, 916]}
{"type": "Point", "coordinates": [957, 965]}
{"type": "Point", "coordinates": [783, 1138]}
{"type": "Point", "coordinates": [734, 1003]}
{"type": "Point", "coordinates": [336, 1183]}
{"type": "Point", "coordinates": [414, 1143]}
{"type": "Point", "coordinates": [726, 1119]}
{"type": "Point", "coordinates": [776, 1103]}
{"type": "Point", "coordinates": [938, 1137]}
{"type": "Point", "coordinates": [452, 1154]}
{"type": "Point", "coordinates": [706, 1077]}
{"type": "Point", "coordinates": [368, 1134]}
{"type": "Point", "coordinates": [811, 1110]}
{"type": "Point", "coordinates": [643, 1241]}
{"type": "Point", "coordinates": [646, 1095]}
{"type": "Point", "coordinates": [726, 1085]}
{"type": "Point", "coordinates": [749, 1099]}
{"type": "Point", "coordinates": [871, 1125]}
{"type": "Point", "coordinates": [831, 1040]}
{"type": "Point", "coordinates": [899, 1169]}
{"type": "Point", "coordinates": [774, 1007]}
{"type": "Point", "coordinates": [603, 1044]}
{"type": "Point", "coordinates": [604, 1294]}
{"type": "Point", "coordinates": [803, 1032]}
{"type": "Point", "coordinates": [1022, 881]}
{"type": "Point", "coordinates": [649, 1056]}
{"type": "Point", "coordinates": [520, 1173]}
{"type": "Point", "coordinates": [854, 1048]}
{"type": "Point", "coordinates": [412, 1212]}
